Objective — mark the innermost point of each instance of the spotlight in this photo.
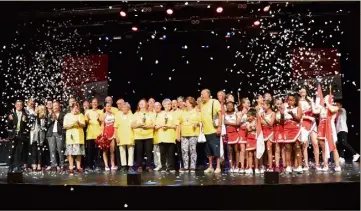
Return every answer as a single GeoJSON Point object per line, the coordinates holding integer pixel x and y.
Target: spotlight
{"type": "Point", "coordinates": [257, 23]}
{"type": "Point", "coordinates": [266, 9]}
{"type": "Point", "coordinates": [169, 11]}
{"type": "Point", "coordinates": [219, 9]}
{"type": "Point", "coordinates": [134, 28]}
{"type": "Point", "coordinates": [123, 14]}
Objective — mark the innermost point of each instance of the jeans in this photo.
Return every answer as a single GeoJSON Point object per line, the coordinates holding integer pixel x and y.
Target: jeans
{"type": "Point", "coordinates": [56, 144]}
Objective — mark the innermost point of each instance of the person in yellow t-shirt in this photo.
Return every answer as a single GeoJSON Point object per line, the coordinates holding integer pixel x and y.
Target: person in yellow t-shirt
{"type": "Point", "coordinates": [74, 122]}
{"type": "Point", "coordinates": [143, 128]}
{"type": "Point", "coordinates": [166, 124]}
{"type": "Point", "coordinates": [188, 134]}
{"type": "Point", "coordinates": [93, 118]}
{"type": "Point", "coordinates": [210, 132]}
{"type": "Point", "coordinates": [125, 137]}
{"type": "Point", "coordinates": [179, 111]}
{"type": "Point", "coordinates": [156, 151]}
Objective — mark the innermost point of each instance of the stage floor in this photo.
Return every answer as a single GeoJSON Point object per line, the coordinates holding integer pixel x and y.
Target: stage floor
{"type": "Point", "coordinates": [350, 173]}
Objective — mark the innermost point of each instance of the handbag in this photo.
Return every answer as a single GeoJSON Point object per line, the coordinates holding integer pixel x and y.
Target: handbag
{"type": "Point", "coordinates": [201, 137]}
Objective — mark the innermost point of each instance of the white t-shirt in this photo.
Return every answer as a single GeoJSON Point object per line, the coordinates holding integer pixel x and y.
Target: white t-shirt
{"type": "Point", "coordinates": [341, 123]}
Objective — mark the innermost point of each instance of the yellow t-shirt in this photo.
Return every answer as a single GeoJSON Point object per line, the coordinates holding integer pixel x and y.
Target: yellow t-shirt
{"type": "Point", "coordinates": [207, 119]}
{"type": "Point", "coordinates": [177, 115]}
{"type": "Point", "coordinates": [155, 136]}
{"type": "Point", "coordinates": [74, 135]}
{"type": "Point", "coordinates": [94, 126]}
{"type": "Point", "coordinates": [123, 128]}
{"type": "Point", "coordinates": [140, 117]}
{"type": "Point", "coordinates": [187, 121]}
{"type": "Point", "coordinates": [114, 110]}
{"type": "Point", "coordinates": [168, 119]}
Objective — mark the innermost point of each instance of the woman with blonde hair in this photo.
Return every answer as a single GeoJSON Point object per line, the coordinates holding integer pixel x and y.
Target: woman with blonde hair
{"type": "Point", "coordinates": [74, 122]}
{"type": "Point", "coordinates": [166, 124]}
{"type": "Point", "coordinates": [39, 134]}
{"type": "Point", "coordinates": [143, 126]}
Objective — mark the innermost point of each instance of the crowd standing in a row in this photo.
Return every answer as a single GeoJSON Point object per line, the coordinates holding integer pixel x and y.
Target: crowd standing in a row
{"type": "Point", "coordinates": [272, 135]}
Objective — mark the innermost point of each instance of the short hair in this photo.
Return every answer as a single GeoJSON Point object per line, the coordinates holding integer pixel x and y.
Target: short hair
{"type": "Point", "coordinates": [180, 98]}
{"type": "Point", "coordinates": [208, 91]}
{"type": "Point", "coordinates": [127, 104]}
{"type": "Point", "coordinates": [19, 101]}
{"type": "Point", "coordinates": [192, 101]}
{"type": "Point", "coordinates": [166, 101]}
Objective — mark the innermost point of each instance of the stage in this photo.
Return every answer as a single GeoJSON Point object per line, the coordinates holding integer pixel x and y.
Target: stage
{"type": "Point", "coordinates": [109, 190]}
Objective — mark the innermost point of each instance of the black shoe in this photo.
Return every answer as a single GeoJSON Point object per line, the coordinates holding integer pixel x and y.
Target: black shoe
{"type": "Point", "coordinates": [163, 169]}
{"type": "Point", "coordinates": [123, 169]}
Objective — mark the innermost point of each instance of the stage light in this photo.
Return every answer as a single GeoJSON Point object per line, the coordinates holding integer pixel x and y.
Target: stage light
{"type": "Point", "coordinates": [134, 28]}
{"type": "Point", "coordinates": [266, 9]}
{"type": "Point", "coordinates": [219, 10]}
{"type": "Point", "coordinates": [257, 23]}
{"type": "Point", "coordinates": [123, 14]}
{"type": "Point", "coordinates": [169, 11]}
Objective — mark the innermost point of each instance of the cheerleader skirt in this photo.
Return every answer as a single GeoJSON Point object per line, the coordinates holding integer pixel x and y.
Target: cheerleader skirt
{"type": "Point", "coordinates": [292, 131]}
{"type": "Point", "coordinates": [251, 142]}
{"type": "Point", "coordinates": [267, 133]}
{"type": "Point", "coordinates": [242, 133]}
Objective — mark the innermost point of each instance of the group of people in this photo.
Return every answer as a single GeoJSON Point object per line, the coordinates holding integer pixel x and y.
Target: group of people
{"type": "Point", "coordinates": [178, 134]}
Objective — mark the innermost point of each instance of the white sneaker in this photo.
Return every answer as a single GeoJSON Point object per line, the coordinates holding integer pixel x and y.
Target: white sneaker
{"type": "Point", "coordinates": [342, 160]}
{"type": "Point", "coordinates": [209, 170]}
{"type": "Point", "coordinates": [249, 171]}
{"type": "Point", "coordinates": [306, 168]}
{"type": "Point", "coordinates": [231, 170]}
{"type": "Point", "coordinates": [157, 168]}
{"type": "Point", "coordinates": [298, 170]}
{"type": "Point", "coordinates": [257, 171]}
{"type": "Point", "coordinates": [338, 169]}
{"type": "Point", "coordinates": [107, 169]}
{"type": "Point", "coordinates": [261, 171]}
{"type": "Point", "coordinates": [217, 171]}
{"type": "Point", "coordinates": [288, 170]}
{"type": "Point", "coordinates": [241, 171]}
{"type": "Point", "coordinates": [325, 168]}
{"type": "Point", "coordinates": [355, 157]}
{"type": "Point", "coordinates": [236, 170]}
{"type": "Point", "coordinates": [172, 171]}
{"type": "Point", "coordinates": [318, 168]}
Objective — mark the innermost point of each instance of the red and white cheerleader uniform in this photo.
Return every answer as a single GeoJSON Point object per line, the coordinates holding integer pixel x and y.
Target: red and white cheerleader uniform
{"type": "Point", "coordinates": [279, 136]}
{"type": "Point", "coordinates": [291, 128]}
{"type": "Point", "coordinates": [242, 132]}
{"type": "Point", "coordinates": [251, 137]}
{"type": "Point", "coordinates": [232, 136]}
{"type": "Point", "coordinates": [322, 124]}
{"type": "Point", "coordinates": [308, 122]}
{"type": "Point", "coordinates": [266, 129]}
{"type": "Point", "coordinates": [109, 129]}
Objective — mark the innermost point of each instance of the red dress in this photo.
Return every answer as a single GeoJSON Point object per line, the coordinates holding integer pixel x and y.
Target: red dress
{"type": "Point", "coordinates": [232, 131]}
{"type": "Point", "coordinates": [109, 126]}
{"type": "Point", "coordinates": [322, 124]}
{"type": "Point", "coordinates": [266, 129]}
{"type": "Point", "coordinates": [242, 132]}
{"type": "Point", "coordinates": [279, 136]}
{"type": "Point", "coordinates": [251, 138]}
{"type": "Point", "coordinates": [291, 128]}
